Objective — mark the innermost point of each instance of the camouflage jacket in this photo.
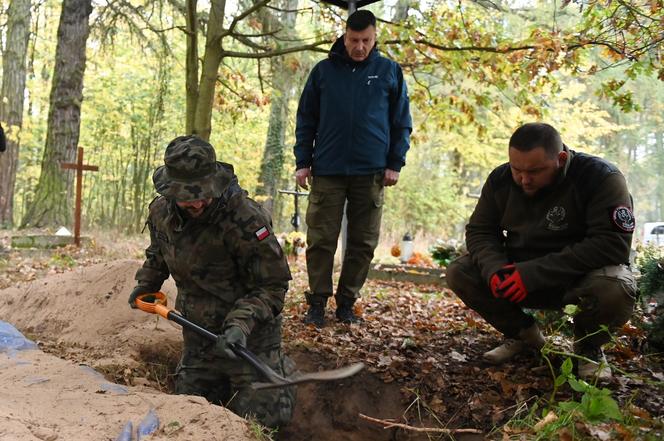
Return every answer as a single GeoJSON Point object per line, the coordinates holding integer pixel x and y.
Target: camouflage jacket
{"type": "Point", "coordinates": [227, 264]}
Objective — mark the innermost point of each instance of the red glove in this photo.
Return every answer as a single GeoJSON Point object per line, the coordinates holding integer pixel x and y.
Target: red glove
{"type": "Point", "coordinates": [498, 278]}
{"type": "Point", "coordinates": [512, 287]}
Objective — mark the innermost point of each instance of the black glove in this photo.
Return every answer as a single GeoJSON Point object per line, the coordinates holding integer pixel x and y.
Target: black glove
{"type": "Point", "coordinates": [232, 336]}
{"type": "Point", "coordinates": [140, 289]}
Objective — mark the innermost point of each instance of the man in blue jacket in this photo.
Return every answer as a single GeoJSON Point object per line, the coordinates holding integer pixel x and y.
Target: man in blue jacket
{"type": "Point", "coordinates": [352, 135]}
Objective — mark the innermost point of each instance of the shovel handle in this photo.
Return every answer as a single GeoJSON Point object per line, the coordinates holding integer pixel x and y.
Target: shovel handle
{"type": "Point", "coordinates": [152, 302]}
{"type": "Point", "coordinates": [156, 303]}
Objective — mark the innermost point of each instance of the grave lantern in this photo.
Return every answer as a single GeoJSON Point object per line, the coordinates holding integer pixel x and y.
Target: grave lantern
{"type": "Point", "coordinates": [406, 247]}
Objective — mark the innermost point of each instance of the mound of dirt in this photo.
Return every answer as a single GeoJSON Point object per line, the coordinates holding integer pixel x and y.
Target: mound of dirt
{"type": "Point", "coordinates": [87, 307]}
{"type": "Point", "coordinates": [45, 398]}
{"type": "Point", "coordinates": [83, 316]}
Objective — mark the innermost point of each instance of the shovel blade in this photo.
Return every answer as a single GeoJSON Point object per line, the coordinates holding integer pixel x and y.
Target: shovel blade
{"type": "Point", "coordinates": [308, 377]}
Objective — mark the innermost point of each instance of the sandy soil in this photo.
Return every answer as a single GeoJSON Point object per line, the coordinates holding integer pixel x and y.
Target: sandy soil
{"type": "Point", "coordinates": [43, 397]}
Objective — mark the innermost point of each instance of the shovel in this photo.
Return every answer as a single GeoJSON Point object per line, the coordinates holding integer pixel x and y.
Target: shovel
{"type": "Point", "coordinates": [155, 303]}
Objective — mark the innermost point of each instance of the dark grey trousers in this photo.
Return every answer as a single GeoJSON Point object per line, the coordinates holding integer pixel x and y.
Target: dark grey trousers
{"type": "Point", "coordinates": [604, 296]}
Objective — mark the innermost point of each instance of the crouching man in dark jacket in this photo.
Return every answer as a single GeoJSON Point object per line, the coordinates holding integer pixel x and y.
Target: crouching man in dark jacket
{"type": "Point", "coordinates": [552, 227]}
{"type": "Point", "coordinates": [231, 276]}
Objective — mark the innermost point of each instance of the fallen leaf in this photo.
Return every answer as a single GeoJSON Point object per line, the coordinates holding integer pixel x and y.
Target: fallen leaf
{"type": "Point", "coordinates": [548, 419]}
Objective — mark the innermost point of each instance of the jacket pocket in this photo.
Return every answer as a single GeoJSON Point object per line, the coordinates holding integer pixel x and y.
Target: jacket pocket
{"type": "Point", "coordinates": [316, 198]}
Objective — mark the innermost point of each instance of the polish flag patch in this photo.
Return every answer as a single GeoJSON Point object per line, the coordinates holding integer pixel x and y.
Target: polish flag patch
{"type": "Point", "coordinates": [262, 233]}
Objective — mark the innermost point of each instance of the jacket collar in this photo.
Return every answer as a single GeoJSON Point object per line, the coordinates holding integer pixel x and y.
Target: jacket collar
{"type": "Point", "coordinates": [563, 172]}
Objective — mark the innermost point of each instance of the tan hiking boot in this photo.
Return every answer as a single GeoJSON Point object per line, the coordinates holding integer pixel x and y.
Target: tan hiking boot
{"type": "Point", "coordinates": [596, 367]}
{"type": "Point", "coordinates": [529, 338]}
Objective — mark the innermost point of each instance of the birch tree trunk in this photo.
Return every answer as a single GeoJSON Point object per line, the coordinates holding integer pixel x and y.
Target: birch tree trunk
{"type": "Point", "coordinates": [11, 101]}
{"type": "Point", "coordinates": [52, 203]}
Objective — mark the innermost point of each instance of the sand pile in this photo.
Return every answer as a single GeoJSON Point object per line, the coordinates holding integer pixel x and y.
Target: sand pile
{"type": "Point", "coordinates": [43, 397]}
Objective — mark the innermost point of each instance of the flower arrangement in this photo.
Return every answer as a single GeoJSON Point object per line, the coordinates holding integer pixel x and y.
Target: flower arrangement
{"type": "Point", "coordinates": [443, 252]}
{"type": "Point", "coordinates": [293, 243]}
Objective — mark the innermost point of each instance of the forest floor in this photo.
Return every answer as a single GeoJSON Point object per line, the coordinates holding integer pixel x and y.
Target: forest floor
{"type": "Point", "coordinates": [421, 347]}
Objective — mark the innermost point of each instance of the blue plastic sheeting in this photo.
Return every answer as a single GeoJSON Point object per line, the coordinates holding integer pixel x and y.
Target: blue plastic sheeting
{"type": "Point", "coordinates": [113, 387]}
{"type": "Point", "coordinates": [35, 380]}
{"type": "Point", "coordinates": [12, 340]}
{"type": "Point", "coordinates": [126, 433]}
{"type": "Point", "coordinates": [103, 384]}
{"type": "Point", "coordinates": [148, 425]}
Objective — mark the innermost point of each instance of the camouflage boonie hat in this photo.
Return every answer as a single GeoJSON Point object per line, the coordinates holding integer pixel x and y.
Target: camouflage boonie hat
{"type": "Point", "coordinates": [190, 171]}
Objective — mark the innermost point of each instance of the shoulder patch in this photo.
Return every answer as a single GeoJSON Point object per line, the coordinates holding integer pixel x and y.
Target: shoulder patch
{"type": "Point", "coordinates": [262, 233]}
{"type": "Point", "coordinates": [623, 219]}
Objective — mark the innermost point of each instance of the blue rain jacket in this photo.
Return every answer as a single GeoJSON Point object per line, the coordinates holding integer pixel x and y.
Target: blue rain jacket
{"type": "Point", "coordinates": [353, 118]}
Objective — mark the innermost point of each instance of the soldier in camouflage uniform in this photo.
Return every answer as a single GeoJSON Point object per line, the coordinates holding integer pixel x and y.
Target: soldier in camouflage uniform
{"type": "Point", "coordinates": [231, 276]}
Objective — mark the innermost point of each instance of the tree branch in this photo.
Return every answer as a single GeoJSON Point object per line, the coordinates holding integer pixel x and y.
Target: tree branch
{"type": "Point", "coordinates": [243, 15]}
{"type": "Point", "coordinates": [274, 8]}
{"type": "Point", "coordinates": [390, 424]}
{"type": "Point", "coordinates": [247, 42]}
{"type": "Point", "coordinates": [314, 47]}
{"type": "Point", "coordinates": [461, 48]}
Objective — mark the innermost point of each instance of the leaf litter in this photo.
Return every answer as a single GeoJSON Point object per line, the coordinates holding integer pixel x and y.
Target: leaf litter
{"type": "Point", "coordinates": [423, 339]}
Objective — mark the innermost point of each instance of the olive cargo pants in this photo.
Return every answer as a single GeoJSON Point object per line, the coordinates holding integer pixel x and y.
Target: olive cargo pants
{"type": "Point", "coordinates": [324, 214]}
{"type": "Point", "coordinates": [605, 297]}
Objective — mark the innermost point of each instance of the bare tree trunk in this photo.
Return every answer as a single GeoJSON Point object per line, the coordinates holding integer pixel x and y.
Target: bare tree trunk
{"type": "Point", "coordinates": [282, 90]}
{"type": "Point", "coordinates": [192, 65]}
{"type": "Point", "coordinates": [209, 71]}
{"type": "Point", "coordinates": [51, 205]}
{"type": "Point", "coordinates": [11, 101]}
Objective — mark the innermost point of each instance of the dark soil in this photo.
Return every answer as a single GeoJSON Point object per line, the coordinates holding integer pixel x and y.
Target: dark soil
{"type": "Point", "coordinates": [330, 411]}
{"type": "Point", "coordinates": [422, 350]}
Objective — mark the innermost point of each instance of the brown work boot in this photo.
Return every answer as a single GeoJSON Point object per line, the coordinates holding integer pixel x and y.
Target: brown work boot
{"type": "Point", "coordinates": [529, 338]}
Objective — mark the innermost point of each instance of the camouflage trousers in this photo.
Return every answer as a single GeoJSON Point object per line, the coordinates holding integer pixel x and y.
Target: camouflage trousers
{"type": "Point", "coordinates": [227, 382]}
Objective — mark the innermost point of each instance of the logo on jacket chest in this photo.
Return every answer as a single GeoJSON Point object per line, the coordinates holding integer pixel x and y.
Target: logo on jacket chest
{"type": "Point", "coordinates": [556, 219]}
{"type": "Point", "coordinates": [371, 77]}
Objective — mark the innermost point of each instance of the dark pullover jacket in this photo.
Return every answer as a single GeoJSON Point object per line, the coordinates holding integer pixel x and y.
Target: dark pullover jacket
{"type": "Point", "coordinates": [353, 118]}
{"type": "Point", "coordinates": [582, 222]}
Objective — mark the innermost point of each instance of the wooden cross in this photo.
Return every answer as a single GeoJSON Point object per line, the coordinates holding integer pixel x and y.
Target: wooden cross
{"type": "Point", "coordinates": [79, 167]}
